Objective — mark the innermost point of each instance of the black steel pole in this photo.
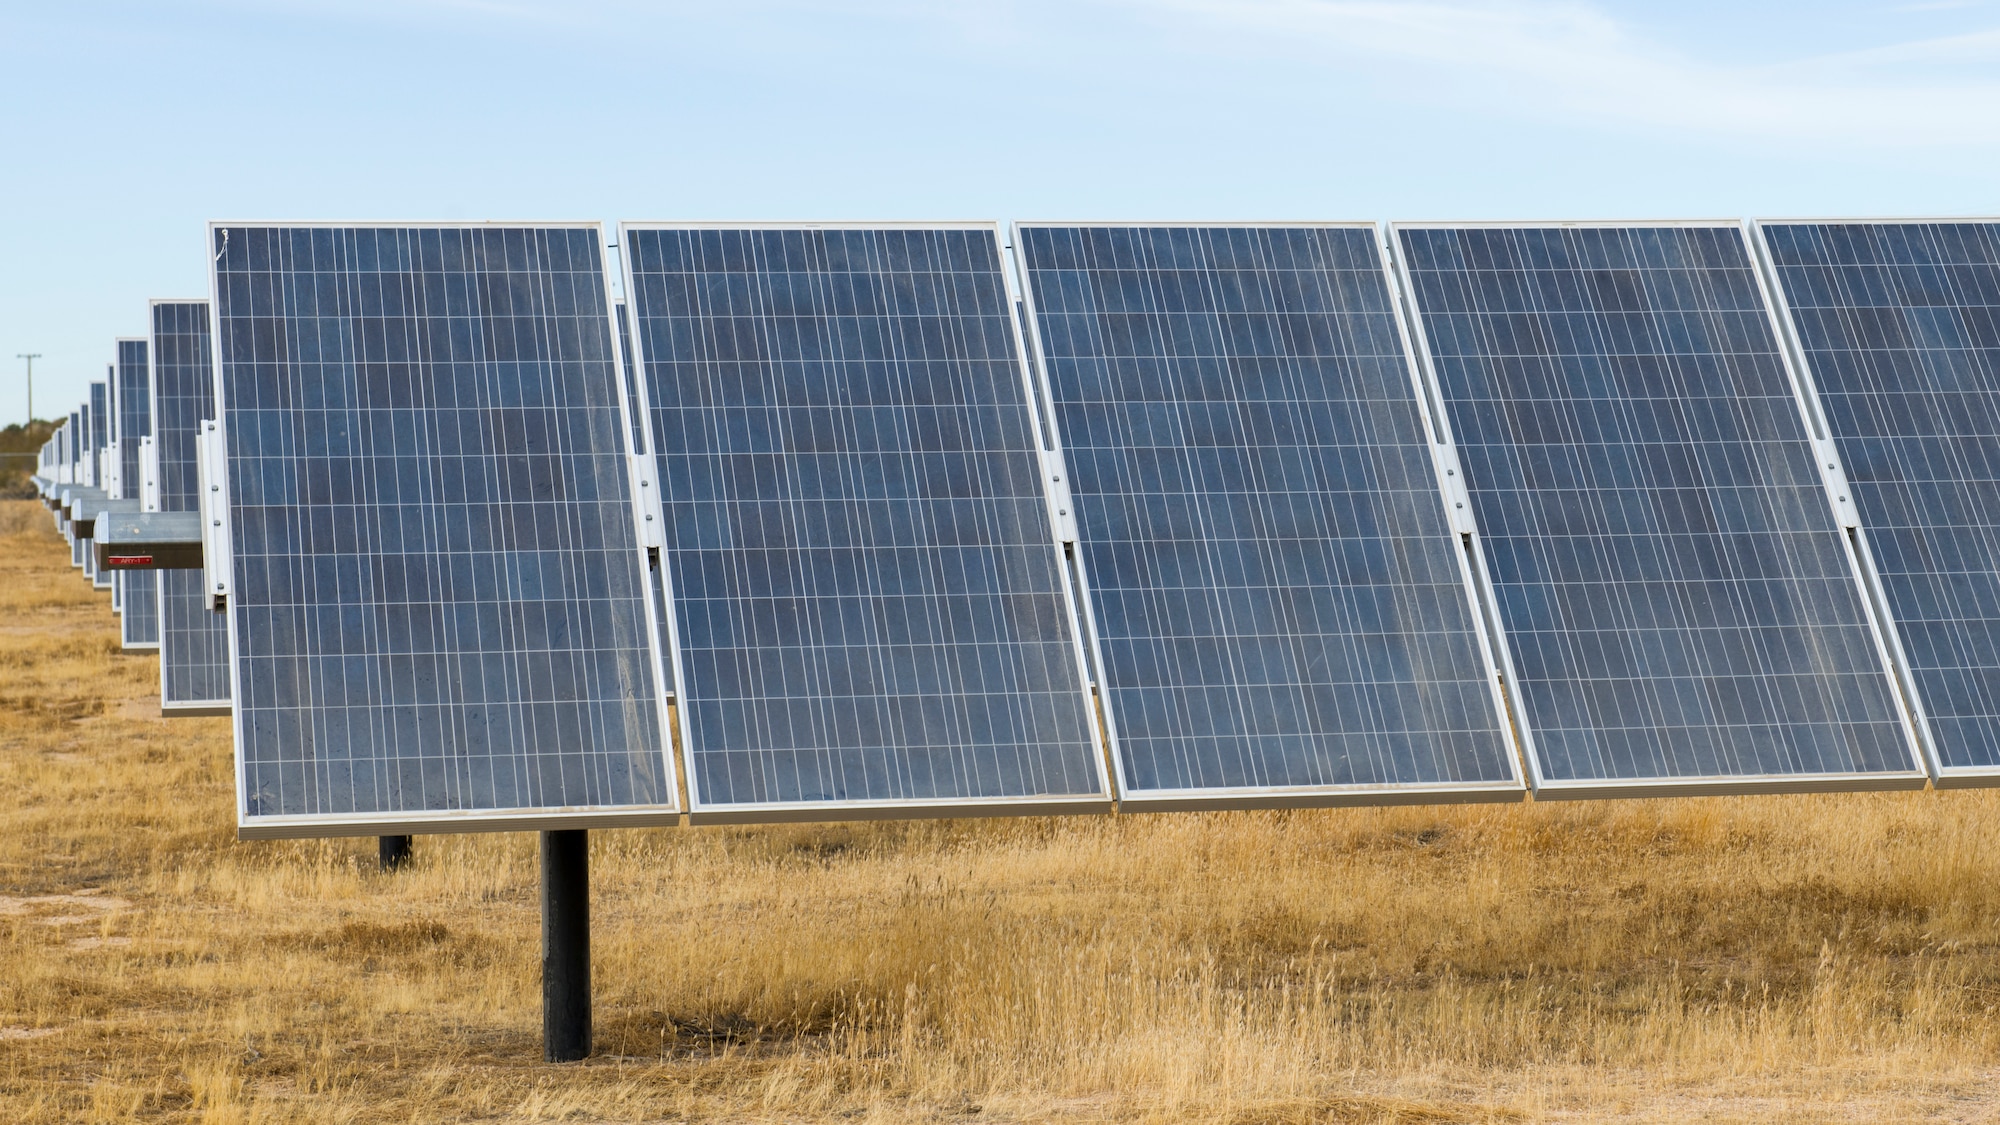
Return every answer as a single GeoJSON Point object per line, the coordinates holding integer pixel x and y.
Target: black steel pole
{"type": "Point", "coordinates": [565, 945]}
{"type": "Point", "coordinates": [394, 851]}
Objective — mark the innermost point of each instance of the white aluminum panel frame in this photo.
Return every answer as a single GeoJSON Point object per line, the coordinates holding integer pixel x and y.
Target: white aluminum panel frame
{"type": "Point", "coordinates": [1916, 777]}
{"type": "Point", "coordinates": [428, 821]}
{"type": "Point", "coordinates": [775, 812]}
{"type": "Point", "coordinates": [1131, 799]}
{"type": "Point", "coordinates": [1942, 776]}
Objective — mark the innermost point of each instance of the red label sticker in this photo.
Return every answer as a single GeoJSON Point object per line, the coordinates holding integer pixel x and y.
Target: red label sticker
{"type": "Point", "coordinates": [128, 560]}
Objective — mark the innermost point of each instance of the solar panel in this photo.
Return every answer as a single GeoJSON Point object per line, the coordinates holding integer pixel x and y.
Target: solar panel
{"type": "Point", "coordinates": [79, 440]}
{"type": "Point", "coordinates": [1682, 609]}
{"type": "Point", "coordinates": [134, 418]}
{"type": "Point", "coordinates": [1895, 323]}
{"type": "Point", "coordinates": [194, 640]}
{"type": "Point", "coordinates": [135, 592]}
{"type": "Point", "coordinates": [101, 435]}
{"type": "Point", "coordinates": [100, 428]}
{"type": "Point", "coordinates": [1282, 610]}
{"type": "Point", "coordinates": [437, 593]}
{"type": "Point", "coordinates": [869, 603]}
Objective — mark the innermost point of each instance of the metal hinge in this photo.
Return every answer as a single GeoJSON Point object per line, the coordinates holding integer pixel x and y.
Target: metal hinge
{"type": "Point", "coordinates": [652, 518]}
{"type": "Point", "coordinates": [1062, 508]}
{"type": "Point", "coordinates": [1837, 489]}
{"type": "Point", "coordinates": [1457, 498]}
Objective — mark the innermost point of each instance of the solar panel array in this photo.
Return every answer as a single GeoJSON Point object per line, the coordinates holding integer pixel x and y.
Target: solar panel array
{"type": "Point", "coordinates": [1896, 322]}
{"type": "Point", "coordinates": [1302, 516]}
{"type": "Point", "coordinates": [194, 641]}
{"type": "Point", "coordinates": [437, 594]}
{"type": "Point", "coordinates": [1281, 605]}
{"type": "Point", "coordinates": [1678, 598]}
{"type": "Point", "coordinates": [871, 609]}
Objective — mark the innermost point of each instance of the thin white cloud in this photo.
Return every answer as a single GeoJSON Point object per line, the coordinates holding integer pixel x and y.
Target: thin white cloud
{"type": "Point", "coordinates": [1572, 60]}
{"type": "Point", "coordinates": [1541, 60]}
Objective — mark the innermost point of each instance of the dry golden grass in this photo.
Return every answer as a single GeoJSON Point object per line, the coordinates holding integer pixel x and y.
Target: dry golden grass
{"type": "Point", "coordinates": [1754, 959]}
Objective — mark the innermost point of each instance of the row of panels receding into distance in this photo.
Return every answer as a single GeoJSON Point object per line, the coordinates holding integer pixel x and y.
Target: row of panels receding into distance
{"type": "Point", "coordinates": [827, 521]}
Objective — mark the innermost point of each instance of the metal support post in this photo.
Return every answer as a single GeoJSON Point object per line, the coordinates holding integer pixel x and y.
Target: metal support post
{"type": "Point", "coordinates": [394, 851]}
{"type": "Point", "coordinates": [565, 945]}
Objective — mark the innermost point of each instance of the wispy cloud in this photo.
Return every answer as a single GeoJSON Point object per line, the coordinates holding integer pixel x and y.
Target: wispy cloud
{"type": "Point", "coordinates": [1939, 6]}
{"type": "Point", "coordinates": [1555, 59]}
{"type": "Point", "coordinates": [1537, 60]}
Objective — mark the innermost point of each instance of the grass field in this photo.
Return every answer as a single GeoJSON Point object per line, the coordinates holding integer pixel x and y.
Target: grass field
{"type": "Point", "coordinates": [1826, 958]}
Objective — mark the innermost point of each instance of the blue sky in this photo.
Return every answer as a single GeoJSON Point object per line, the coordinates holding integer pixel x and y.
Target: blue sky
{"type": "Point", "coordinates": [124, 127]}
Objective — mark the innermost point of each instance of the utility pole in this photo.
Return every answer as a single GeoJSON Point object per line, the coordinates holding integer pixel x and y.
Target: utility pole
{"type": "Point", "coordinates": [31, 357]}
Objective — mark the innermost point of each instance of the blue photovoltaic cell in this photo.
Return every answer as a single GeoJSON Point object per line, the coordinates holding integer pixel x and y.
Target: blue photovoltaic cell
{"type": "Point", "coordinates": [1678, 598]}
{"type": "Point", "coordinates": [194, 640]}
{"type": "Point", "coordinates": [632, 411]}
{"type": "Point", "coordinates": [438, 595]}
{"type": "Point", "coordinates": [1279, 598]}
{"type": "Point", "coordinates": [1899, 324]}
{"type": "Point", "coordinates": [137, 592]}
{"type": "Point", "coordinates": [869, 598]}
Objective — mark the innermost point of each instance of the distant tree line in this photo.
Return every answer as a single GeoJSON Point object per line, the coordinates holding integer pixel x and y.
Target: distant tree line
{"type": "Point", "coordinates": [18, 443]}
